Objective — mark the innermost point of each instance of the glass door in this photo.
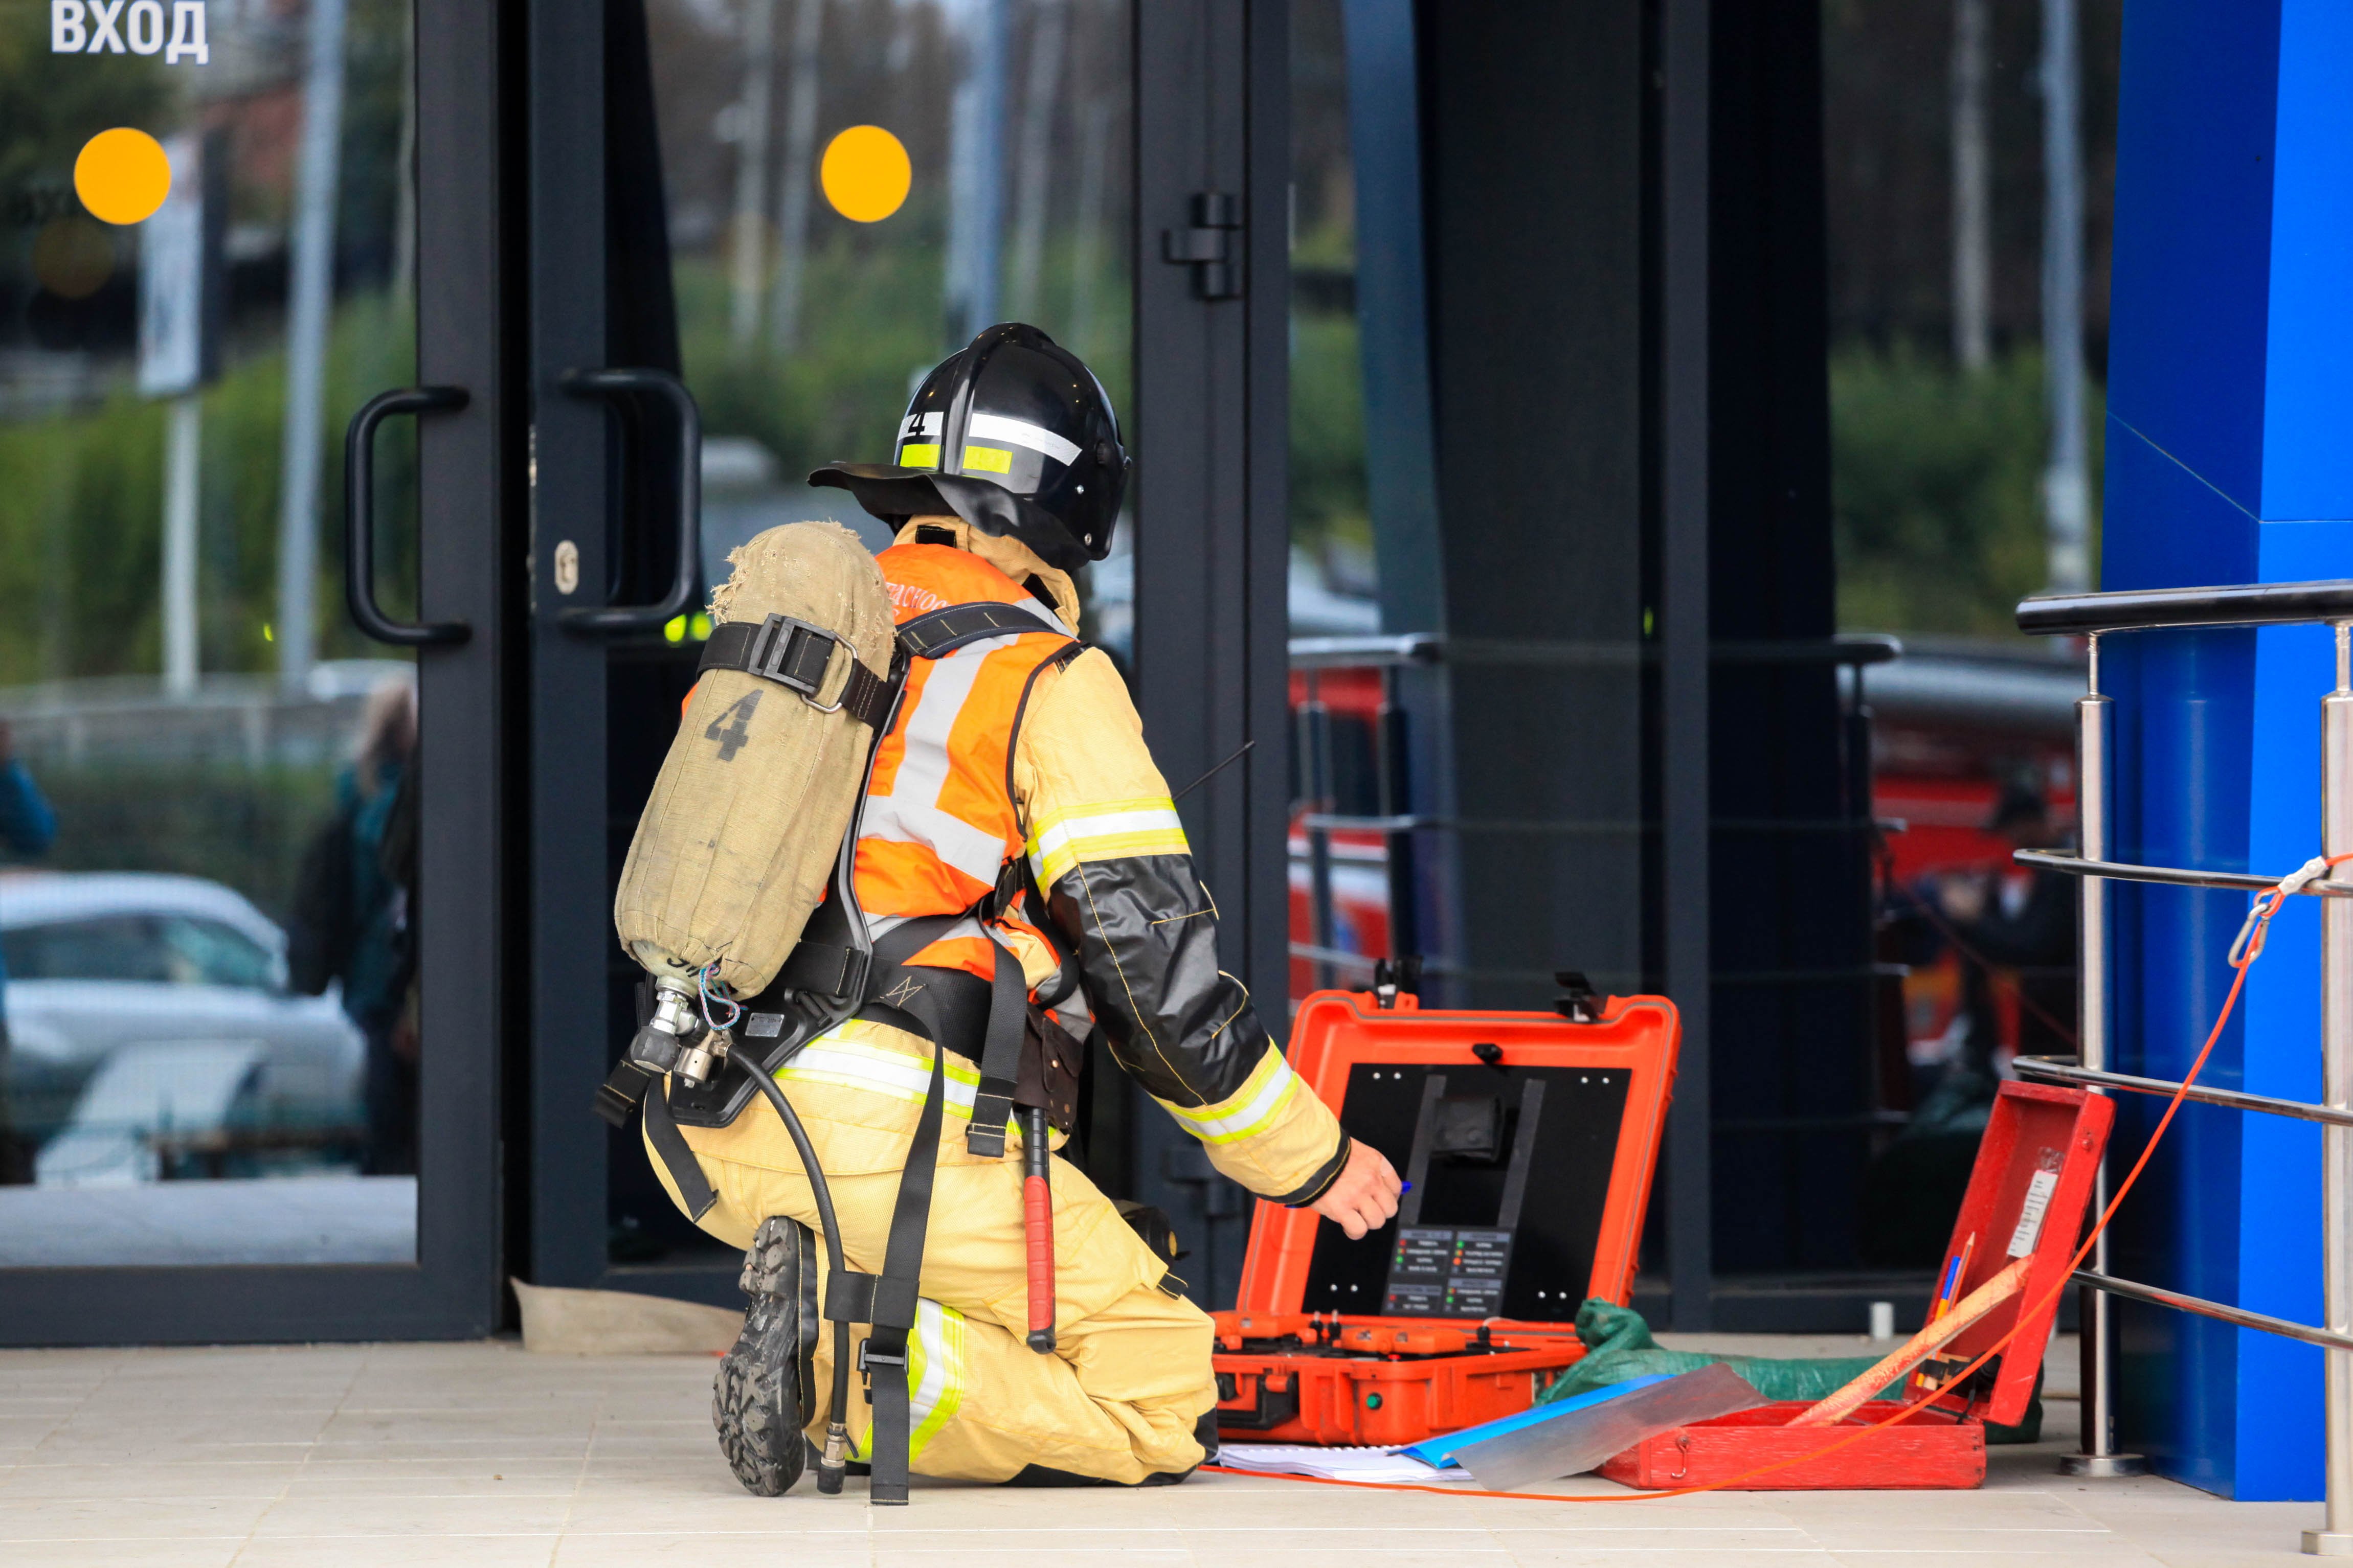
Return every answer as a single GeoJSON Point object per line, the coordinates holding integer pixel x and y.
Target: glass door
{"type": "Point", "coordinates": [776, 215]}
{"type": "Point", "coordinates": [243, 1090]}
{"type": "Point", "coordinates": [805, 206]}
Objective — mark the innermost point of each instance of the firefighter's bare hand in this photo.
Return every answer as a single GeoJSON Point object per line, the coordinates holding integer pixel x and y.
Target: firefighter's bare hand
{"type": "Point", "coordinates": [1366, 1196]}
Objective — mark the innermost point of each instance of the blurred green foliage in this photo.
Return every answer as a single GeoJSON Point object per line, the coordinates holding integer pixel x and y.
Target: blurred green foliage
{"type": "Point", "coordinates": [80, 530]}
{"type": "Point", "coordinates": [1327, 431]}
{"type": "Point", "coordinates": [48, 112]}
{"type": "Point", "coordinates": [870, 328]}
{"type": "Point", "coordinates": [1937, 488]}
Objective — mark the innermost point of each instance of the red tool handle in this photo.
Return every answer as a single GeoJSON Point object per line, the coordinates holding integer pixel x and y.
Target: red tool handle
{"type": "Point", "coordinates": [1037, 1227]}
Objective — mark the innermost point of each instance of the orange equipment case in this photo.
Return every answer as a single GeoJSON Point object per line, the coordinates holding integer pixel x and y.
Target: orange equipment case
{"type": "Point", "coordinates": [1528, 1142]}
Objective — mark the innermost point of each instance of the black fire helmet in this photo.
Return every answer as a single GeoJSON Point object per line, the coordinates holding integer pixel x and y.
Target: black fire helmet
{"type": "Point", "coordinates": [1015, 435]}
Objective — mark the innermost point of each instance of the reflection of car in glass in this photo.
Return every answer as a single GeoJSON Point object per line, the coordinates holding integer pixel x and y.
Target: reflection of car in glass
{"type": "Point", "coordinates": [151, 1034]}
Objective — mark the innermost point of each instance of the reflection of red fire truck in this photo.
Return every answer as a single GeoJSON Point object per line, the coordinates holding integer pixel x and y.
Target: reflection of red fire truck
{"type": "Point", "coordinates": [1339, 714]}
{"type": "Point", "coordinates": [1953, 726]}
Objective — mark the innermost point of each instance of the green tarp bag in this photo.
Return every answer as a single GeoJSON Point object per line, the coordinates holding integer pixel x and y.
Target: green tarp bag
{"type": "Point", "coordinates": [1619, 1346]}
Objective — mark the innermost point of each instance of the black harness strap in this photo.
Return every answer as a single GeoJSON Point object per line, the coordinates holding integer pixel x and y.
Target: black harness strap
{"type": "Point", "coordinates": [795, 654]}
{"type": "Point", "coordinates": [661, 1131]}
{"type": "Point", "coordinates": [888, 1302]}
{"type": "Point", "coordinates": [942, 632]}
{"type": "Point", "coordinates": [1000, 1057]}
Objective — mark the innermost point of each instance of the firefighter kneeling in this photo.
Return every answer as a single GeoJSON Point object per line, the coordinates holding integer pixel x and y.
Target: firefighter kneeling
{"type": "Point", "coordinates": [1013, 824]}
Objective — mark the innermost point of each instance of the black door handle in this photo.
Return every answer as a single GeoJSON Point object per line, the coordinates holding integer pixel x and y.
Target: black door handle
{"type": "Point", "coordinates": [359, 516]}
{"type": "Point", "coordinates": [687, 587]}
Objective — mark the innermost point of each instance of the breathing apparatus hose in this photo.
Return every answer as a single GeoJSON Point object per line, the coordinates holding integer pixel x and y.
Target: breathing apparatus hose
{"type": "Point", "coordinates": [2244, 951]}
{"type": "Point", "coordinates": [832, 1460]}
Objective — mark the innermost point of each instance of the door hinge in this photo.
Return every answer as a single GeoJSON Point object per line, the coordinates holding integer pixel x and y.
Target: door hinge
{"type": "Point", "coordinates": [1207, 246]}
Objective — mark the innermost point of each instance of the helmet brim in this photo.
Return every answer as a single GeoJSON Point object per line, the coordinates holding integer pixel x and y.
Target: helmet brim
{"type": "Point", "coordinates": [895, 494]}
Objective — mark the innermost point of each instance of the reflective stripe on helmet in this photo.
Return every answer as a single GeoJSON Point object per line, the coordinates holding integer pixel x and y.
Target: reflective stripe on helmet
{"type": "Point", "coordinates": [1021, 433]}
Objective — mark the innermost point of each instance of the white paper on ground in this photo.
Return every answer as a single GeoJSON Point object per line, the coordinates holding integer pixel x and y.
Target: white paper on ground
{"type": "Point", "coordinates": [1326, 1464]}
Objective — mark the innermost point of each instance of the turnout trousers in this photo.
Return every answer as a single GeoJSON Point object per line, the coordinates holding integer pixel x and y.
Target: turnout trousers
{"type": "Point", "coordinates": [1118, 1398]}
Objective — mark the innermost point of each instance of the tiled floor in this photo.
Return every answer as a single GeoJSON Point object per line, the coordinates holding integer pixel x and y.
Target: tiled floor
{"type": "Point", "coordinates": [481, 1454]}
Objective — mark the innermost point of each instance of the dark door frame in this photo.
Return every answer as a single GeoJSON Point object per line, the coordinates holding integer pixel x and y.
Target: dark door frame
{"type": "Point", "coordinates": [564, 1157]}
{"type": "Point", "coordinates": [452, 1289]}
{"type": "Point", "coordinates": [1212, 527]}
{"type": "Point", "coordinates": [600, 497]}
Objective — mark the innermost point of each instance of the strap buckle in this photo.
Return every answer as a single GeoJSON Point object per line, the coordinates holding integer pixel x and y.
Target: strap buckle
{"type": "Point", "coordinates": [869, 1358]}
{"type": "Point", "coordinates": [786, 650]}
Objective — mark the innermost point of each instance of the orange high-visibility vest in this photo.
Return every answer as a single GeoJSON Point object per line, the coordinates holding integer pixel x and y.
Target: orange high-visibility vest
{"type": "Point", "coordinates": [940, 820]}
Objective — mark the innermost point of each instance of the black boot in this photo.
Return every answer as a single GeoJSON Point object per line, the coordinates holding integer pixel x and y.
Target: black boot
{"type": "Point", "coordinates": [759, 1400]}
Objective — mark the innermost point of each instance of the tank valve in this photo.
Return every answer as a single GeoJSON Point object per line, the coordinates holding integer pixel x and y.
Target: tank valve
{"type": "Point", "coordinates": [700, 1059]}
{"type": "Point", "coordinates": [675, 1040]}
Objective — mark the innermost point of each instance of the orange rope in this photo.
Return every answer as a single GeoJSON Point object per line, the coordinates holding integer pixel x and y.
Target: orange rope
{"type": "Point", "coordinates": [2259, 918]}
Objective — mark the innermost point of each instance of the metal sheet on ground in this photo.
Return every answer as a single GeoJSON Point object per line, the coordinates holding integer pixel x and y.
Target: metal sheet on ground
{"type": "Point", "coordinates": [1583, 1439]}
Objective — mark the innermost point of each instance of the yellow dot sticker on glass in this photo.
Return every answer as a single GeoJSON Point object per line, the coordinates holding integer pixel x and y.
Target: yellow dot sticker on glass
{"type": "Point", "coordinates": [123, 175]}
{"type": "Point", "coordinates": [865, 173]}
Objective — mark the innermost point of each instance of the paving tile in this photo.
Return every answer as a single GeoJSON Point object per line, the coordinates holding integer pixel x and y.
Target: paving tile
{"type": "Point", "coordinates": [1700, 1539]}
{"type": "Point", "coordinates": [200, 1479]}
{"type": "Point", "coordinates": [147, 1424]}
{"type": "Point", "coordinates": [521, 1549]}
{"type": "Point", "coordinates": [941, 1511]}
{"type": "Point", "coordinates": [596, 1512]}
{"type": "Point", "coordinates": [2241, 1554]}
{"type": "Point", "coordinates": [312, 1483]}
{"type": "Point", "coordinates": [479, 1450]}
{"type": "Point", "coordinates": [1641, 1518]}
{"type": "Point", "coordinates": [1895, 1535]}
{"type": "Point", "coordinates": [194, 1552]}
{"type": "Point", "coordinates": [564, 1468]}
{"type": "Point", "coordinates": [1672, 1555]}
{"type": "Point", "coordinates": [1422, 1555]}
{"type": "Point", "coordinates": [1140, 1557]}
{"type": "Point", "coordinates": [22, 1433]}
{"type": "Point", "coordinates": [1996, 1555]}
{"type": "Point", "coordinates": [24, 1518]}
{"type": "Point", "coordinates": [466, 1453]}
{"type": "Point", "coordinates": [763, 1549]}
{"type": "Point", "coordinates": [1358, 1535]}
{"type": "Point", "coordinates": [439, 1514]}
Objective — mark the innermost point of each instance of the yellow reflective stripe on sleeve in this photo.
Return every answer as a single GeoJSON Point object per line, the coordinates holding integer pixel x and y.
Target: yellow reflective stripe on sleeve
{"type": "Point", "coordinates": [844, 1062]}
{"type": "Point", "coordinates": [1250, 1112]}
{"type": "Point", "coordinates": [1111, 830]}
{"type": "Point", "coordinates": [935, 1380]}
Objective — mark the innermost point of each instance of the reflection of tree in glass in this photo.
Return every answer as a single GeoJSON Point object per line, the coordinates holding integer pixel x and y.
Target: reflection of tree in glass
{"type": "Point", "coordinates": [80, 557]}
{"type": "Point", "coordinates": [871, 294]}
{"type": "Point", "coordinates": [1934, 482]}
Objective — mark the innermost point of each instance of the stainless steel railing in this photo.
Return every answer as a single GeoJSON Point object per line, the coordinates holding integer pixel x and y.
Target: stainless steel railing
{"type": "Point", "coordinates": [2094, 615]}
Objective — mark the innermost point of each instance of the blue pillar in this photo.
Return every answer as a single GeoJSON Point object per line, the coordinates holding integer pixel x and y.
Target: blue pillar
{"type": "Point", "coordinates": [2229, 459]}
